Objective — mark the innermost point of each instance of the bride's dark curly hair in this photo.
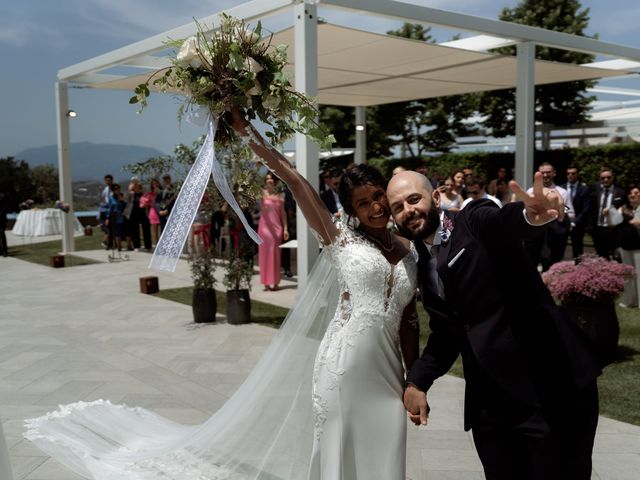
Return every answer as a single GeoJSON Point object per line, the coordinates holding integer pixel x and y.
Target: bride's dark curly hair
{"type": "Point", "coordinates": [358, 176]}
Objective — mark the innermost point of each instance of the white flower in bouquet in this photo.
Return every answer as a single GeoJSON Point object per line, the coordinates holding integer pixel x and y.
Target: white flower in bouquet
{"type": "Point", "coordinates": [189, 54]}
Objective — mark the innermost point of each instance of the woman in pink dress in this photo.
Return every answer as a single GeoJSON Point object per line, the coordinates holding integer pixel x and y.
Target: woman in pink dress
{"type": "Point", "coordinates": [272, 228]}
{"type": "Point", "coordinates": [152, 210]}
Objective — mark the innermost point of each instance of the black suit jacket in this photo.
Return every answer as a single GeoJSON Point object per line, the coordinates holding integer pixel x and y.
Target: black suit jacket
{"type": "Point", "coordinates": [329, 200]}
{"type": "Point", "coordinates": [596, 193]}
{"type": "Point", "coordinates": [581, 203]}
{"type": "Point", "coordinates": [515, 342]}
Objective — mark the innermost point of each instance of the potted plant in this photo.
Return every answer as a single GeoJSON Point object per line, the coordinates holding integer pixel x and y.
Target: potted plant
{"type": "Point", "coordinates": [586, 289]}
{"type": "Point", "coordinates": [204, 303]}
{"type": "Point", "coordinates": [237, 281]}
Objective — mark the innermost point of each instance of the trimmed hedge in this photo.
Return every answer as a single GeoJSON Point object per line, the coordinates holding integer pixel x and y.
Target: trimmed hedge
{"type": "Point", "coordinates": [624, 159]}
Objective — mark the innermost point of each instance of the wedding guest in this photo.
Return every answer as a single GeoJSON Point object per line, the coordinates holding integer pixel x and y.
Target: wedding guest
{"type": "Point", "coordinates": [116, 220]}
{"type": "Point", "coordinates": [199, 240]}
{"type": "Point", "coordinates": [503, 192]}
{"type": "Point", "coordinates": [272, 228]}
{"type": "Point", "coordinates": [165, 199]}
{"type": "Point", "coordinates": [492, 189]}
{"type": "Point", "coordinates": [467, 174]}
{"type": "Point", "coordinates": [290, 212]}
{"type": "Point", "coordinates": [103, 210]}
{"type": "Point", "coordinates": [4, 209]}
{"type": "Point", "coordinates": [450, 199]}
{"type": "Point", "coordinates": [581, 199]}
{"type": "Point", "coordinates": [548, 247]}
{"type": "Point", "coordinates": [628, 235]}
{"type": "Point", "coordinates": [458, 184]}
{"type": "Point", "coordinates": [149, 203]}
{"type": "Point", "coordinates": [218, 220]}
{"type": "Point", "coordinates": [475, 185]}
{"type": "Point", "coordinates": [137, 216]}
{"type": "Point", "coordinates": [330, 194]}
{"type": "Point", "coordinates": [606, 194]}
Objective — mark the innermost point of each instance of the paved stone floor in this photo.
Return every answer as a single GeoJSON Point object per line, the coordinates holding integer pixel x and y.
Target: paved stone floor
{"type": "Point", "coordinates": [86, 332]}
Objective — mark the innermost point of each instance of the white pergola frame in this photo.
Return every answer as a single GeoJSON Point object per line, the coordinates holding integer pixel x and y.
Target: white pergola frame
{"type": "Point", "coordinates": [305, 22]}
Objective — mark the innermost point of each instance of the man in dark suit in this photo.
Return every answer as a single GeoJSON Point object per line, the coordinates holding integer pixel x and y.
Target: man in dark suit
{"type": "Point", "coordinates": [330, 195]}
{"type": "Point", "coordinates": [531, 395]}
{"type": "Point", "coordinates": [165, 200]}
{"type": "Point", "coordinates": [581, 197]}
{"type": "Point", "coordinates": [606, 195]}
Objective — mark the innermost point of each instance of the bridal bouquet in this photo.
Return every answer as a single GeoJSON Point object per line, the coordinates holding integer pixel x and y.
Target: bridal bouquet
{"type": "Point", "coordinates": [233, 67]}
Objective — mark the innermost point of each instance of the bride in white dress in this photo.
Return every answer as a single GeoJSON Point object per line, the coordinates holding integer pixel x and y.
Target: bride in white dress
{"type": "Point", "coordinates": [338, 417]}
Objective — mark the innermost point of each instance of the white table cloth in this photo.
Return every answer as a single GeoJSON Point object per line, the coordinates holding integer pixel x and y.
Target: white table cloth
{"type": "Point", "coordinates": [37, 222]}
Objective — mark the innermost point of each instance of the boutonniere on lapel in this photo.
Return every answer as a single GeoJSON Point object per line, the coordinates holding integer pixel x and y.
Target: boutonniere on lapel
{"type": "Point", "coordinates": [447, 229]}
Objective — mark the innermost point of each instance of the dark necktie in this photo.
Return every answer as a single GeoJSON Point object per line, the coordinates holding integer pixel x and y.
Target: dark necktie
{"type": "Point", "coordinates": [605, 198]}
{"type": "Point", "coordinates": [572, 191]}
{"type": "Point", "coordinates": [434, 279]}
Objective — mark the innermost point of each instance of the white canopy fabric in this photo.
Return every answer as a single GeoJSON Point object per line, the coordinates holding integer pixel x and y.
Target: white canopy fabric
{"type": "Point", "coordinates": [359, 68]}
{"type": "Point", "coordinates": [349, 67]}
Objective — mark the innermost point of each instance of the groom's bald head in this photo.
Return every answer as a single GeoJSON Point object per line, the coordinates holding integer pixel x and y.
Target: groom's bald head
{"type": "Point", "coordinates": [414, 205]}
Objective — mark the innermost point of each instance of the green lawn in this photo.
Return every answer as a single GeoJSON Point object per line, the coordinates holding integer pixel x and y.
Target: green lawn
{"type": "Point", "coordinates": [619, 384]}
{"type": "Point", "coordinates": [40, 252]}
{"type": "Point", "coordinates": [264, 313]}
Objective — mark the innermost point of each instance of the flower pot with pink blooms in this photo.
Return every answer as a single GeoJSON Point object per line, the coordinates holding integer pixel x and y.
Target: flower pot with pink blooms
{"type": "Point", "coordinates": [586, 290]}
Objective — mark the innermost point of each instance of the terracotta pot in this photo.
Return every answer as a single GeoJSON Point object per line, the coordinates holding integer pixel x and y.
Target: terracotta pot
{"type": "Point", "coordinates": [238, 307]}
{"type": "Point", "coordinates": [204, 305]}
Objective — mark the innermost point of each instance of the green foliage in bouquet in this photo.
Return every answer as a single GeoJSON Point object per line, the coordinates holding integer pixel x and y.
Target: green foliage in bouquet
{"type": "Point", "coordinates": [233, 67]}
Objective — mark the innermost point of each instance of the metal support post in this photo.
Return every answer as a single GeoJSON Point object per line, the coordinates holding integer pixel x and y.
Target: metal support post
{"type": "Point", "coordinates": [525, 105]}
{"type": "Point", "coordinates": [307, 153]}
{"type": "Point", "coordinates": [361, 136]}
{"type": "Point", "coordinates": [64, 166]}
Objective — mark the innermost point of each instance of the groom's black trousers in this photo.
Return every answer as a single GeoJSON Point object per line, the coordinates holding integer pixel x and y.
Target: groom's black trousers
{"type": "Point", "coordinates": [554, 442]}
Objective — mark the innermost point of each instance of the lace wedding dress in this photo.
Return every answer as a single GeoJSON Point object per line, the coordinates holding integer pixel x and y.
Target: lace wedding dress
{"type": "Point", "coordinates": [324, 401]}
{"type": "Point", "coordinates": [360, 421]}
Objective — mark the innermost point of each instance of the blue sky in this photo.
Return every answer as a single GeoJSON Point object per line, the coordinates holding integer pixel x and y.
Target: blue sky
{"type": "Point", "coordinates": [37, 38]}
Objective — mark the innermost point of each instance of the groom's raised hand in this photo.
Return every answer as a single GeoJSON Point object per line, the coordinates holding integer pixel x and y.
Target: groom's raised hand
{"type": "Point", "coordinates": [415, 401]}
{"type": "Point", "coordinates": [542, 205]}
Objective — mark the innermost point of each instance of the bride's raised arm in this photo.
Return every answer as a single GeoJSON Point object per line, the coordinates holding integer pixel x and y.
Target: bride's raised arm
{"type": "Point", "coordinates": [309, 201]}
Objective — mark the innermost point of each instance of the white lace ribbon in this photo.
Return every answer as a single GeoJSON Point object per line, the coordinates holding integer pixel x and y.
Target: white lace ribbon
{"type": "Point", "coordinates": [167, 252]}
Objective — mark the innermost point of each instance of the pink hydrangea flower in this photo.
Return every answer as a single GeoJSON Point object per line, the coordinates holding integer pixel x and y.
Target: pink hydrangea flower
{"type": "Point", "coordinates": [591, 277]}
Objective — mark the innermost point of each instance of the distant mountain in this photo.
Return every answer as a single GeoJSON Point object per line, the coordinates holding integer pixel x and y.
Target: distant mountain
{"type": "Point", "coordinates": [91, 161]}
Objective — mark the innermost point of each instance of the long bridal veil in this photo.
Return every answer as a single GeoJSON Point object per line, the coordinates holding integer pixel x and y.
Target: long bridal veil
{"type": "Point", "coordinates": [264, 431]}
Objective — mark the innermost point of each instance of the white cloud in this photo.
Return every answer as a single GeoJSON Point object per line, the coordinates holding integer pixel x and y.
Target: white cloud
{"type": "Point", "coordinates": [22, 33]}
{"type": "Point", "coordinates": [144, 17]}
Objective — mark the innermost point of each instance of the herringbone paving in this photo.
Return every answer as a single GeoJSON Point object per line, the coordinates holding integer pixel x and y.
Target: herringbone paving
{"type": "Point", "coordinates": [86, 332]}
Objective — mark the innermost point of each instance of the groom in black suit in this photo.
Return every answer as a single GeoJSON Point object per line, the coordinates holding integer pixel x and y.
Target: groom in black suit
{"type": "Point", "coordinates": [531, 397]}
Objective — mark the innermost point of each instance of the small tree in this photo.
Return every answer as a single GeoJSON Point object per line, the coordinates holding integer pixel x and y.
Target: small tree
{"type": "Point", "coordinates": [430, 124]}
{"type": "Point", "coordinates": [15, 181]}
{"type": "Point", "coordinates": [45, 181]}
{"type": "Point", "coordinates": [559, 104]}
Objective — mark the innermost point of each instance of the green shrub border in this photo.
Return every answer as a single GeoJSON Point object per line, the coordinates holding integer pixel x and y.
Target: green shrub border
{"type": "Point", "coordinates": [623, 159]}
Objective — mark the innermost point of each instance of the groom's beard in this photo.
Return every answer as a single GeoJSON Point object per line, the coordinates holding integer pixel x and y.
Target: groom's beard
{"type": "Point", "coordinates": [428, 227]}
